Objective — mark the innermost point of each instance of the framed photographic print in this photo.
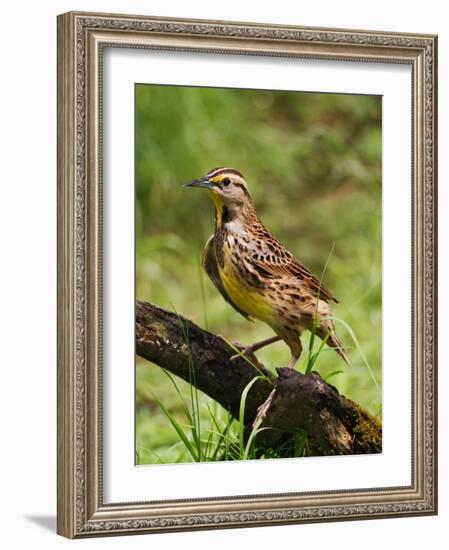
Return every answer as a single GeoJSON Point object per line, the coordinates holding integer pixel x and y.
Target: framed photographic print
{"type": "Point", "coordinates": [246, 274]}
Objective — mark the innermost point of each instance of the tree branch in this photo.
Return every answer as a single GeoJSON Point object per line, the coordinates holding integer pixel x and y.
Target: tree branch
{"type": "Point", "coordinates": [301, 405]}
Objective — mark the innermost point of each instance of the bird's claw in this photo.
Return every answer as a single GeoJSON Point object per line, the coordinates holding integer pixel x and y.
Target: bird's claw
{"type": "Point", "coordinates": [242, 349]}
{"type": "Point", "coordinates": [263, 409]}
{"type": "Point", "coordinates": [246, 351]}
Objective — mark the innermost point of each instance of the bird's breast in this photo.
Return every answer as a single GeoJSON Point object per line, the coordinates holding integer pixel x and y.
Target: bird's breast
{"type": "Point", "coordinates": [239, 282]}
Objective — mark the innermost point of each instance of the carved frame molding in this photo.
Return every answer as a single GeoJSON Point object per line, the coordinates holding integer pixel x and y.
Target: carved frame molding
{"type": "Point", "coordinates": [81, 39]}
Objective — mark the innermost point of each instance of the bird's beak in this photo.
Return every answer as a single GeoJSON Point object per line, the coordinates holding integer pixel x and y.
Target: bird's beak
{"type": "Point", "coordinates": [201, 182]}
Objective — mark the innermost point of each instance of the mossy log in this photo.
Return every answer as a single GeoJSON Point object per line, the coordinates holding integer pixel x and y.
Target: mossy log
{"type": "Point", "coordinates": [302, 404]}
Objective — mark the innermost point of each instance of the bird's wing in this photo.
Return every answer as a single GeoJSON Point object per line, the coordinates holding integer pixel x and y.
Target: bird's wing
{"type": "Point", "coordinates": [209, 263]}
{"type": "Point", "coordinates": [275, 262]}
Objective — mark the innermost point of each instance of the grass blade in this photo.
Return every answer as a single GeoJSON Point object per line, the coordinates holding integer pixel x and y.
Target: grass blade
{"type": "Point", "coordinates": [310, 360]}
{"type": "Point", "coordinates": [334, 373]}
{"type": "Point", "coordinates": [203, 295]}
{"type": "Point", "coordinates": [178, 429]}
{"type": "Point", "coordinates": [242, 413]}
{"type": "Point", "coordinates": [358, 346]}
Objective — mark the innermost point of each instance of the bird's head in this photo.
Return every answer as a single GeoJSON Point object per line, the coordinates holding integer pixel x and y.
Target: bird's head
{"type": "Point", "coordinates": [227, 187]}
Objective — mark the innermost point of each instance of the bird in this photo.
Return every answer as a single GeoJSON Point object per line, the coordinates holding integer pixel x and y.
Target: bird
{"type": "Point", "coordinates": [258, 276]}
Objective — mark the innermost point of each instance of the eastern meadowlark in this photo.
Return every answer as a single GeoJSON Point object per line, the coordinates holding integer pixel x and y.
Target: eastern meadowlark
{"type": "Point", "coordinates": [257, 275]}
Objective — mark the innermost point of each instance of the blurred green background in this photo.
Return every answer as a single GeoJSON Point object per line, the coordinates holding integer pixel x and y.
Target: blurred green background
{"type": "Point", "coordinates": [313, 164]}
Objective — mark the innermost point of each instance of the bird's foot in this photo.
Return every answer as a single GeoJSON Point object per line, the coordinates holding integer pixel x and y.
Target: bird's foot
{"type": "Point", "coordinates": [263, 409]}
{"type": "Point", "coordinates": [247, 351]}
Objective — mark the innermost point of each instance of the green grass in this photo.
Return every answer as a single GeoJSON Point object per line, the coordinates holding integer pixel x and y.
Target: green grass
{"type": "Point", "coordinates": [213, 436]}
{"type": "Point", "coordinates": [313, 163]}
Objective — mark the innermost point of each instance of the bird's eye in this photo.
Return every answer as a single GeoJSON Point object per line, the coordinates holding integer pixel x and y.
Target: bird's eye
{"type": "Point", "coordinates": [226, 182]}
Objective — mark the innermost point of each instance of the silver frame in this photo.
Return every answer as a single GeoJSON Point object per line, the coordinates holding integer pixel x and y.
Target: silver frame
{"type": "Point", "coordinates": [81, 40]}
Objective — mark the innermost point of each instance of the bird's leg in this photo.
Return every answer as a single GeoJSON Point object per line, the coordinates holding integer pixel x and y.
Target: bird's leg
{"type": "Point", "coordinates": [296, 349]}
{"type": "Point", "coordinates": [248, 351]}
{"type": "Point", "coordinates": [264, 408]}
{"type": "Point", "coordinates": [294, 359]}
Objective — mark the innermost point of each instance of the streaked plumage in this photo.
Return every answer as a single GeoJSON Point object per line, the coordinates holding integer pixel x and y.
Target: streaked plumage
{"type": "Point", "coordinates": [256, 274]}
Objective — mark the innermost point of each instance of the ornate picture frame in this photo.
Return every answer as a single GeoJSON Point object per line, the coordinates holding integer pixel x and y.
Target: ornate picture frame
{"type": "Point", "coordinates": [82, 39]}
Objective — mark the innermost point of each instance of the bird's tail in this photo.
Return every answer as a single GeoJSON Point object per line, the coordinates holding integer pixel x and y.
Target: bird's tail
{"type": "Point", "coordinates": [333, 340]}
